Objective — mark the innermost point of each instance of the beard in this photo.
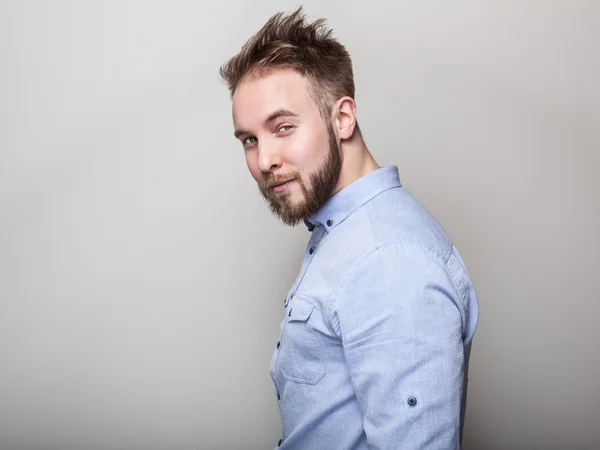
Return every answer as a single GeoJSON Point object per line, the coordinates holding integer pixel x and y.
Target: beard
{"type": "Point", "coordinates": [322, 184]}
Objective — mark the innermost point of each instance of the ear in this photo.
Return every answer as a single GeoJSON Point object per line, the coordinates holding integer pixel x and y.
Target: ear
{"type": "Point", "coordinates": [346, 117]}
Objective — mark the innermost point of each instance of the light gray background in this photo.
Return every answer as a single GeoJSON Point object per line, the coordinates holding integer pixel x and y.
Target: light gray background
{"type": "Point", "coordinates": [142, 278]}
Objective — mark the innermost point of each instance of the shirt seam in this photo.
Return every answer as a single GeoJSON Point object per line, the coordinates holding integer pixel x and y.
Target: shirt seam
{"type": "Point", "coordinates": [344, 279]}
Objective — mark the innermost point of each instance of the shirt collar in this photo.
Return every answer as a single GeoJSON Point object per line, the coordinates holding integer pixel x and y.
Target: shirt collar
{"type": "Point", "coordinates": [345, 202]}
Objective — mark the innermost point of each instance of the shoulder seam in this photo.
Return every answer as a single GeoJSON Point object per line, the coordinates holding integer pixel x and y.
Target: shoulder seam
{"type": "Point", "coordinates": [373, 249]}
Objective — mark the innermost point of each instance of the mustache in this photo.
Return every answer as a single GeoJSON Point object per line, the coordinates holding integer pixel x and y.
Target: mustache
{"type": "Point", "coordinates": [273, 180]}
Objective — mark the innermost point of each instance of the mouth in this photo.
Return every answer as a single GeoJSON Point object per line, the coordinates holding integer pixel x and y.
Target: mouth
{"type": "Point", "coordinates": [281, 186]}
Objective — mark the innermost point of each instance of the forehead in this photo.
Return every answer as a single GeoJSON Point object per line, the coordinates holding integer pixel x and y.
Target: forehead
{"type": "Point", "coordinates": [257, 97]}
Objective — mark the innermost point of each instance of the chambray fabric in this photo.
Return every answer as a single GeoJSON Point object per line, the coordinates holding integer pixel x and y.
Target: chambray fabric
{"type": "Point", "coordinates": [374, 345]}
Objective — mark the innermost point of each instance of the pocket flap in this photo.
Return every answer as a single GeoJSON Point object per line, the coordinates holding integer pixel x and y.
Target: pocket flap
{"type": "Point", "coordinates": [300, 311]}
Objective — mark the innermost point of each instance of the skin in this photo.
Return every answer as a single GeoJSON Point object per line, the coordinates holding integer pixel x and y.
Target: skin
{"type": "Point", "coordinates": [286, 139]}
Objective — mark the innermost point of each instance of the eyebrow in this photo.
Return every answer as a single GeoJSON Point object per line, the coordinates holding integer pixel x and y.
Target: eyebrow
{"type": "Point", "coordinates": [281, 112]}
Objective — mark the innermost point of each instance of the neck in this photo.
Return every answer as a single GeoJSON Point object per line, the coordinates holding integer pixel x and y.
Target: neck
{"type": "Point", "coordinates": [357, 161]}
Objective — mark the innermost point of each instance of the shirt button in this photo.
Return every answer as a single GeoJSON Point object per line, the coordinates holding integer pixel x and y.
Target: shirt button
{"type": "Point", "coordinates": [278, 344]}
{"type": "Point", "coordinates": [280, 442]}
{"type": "Point", "coordinates": [312, 250]}
{"type": "Point", "coordinates": [290, 313]}
{"type": "Point", "coordinates": [412, 401]}
{"type": "Point", "coordinates": [329, 222]}
{"type": "Point", "coordinates": [278, 396]}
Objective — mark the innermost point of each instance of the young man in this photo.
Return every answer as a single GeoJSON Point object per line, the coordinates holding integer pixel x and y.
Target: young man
{"type": "Point", "coordinates": [374, 346]}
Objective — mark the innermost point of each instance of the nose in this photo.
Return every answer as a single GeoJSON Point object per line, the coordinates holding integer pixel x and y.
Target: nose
{"type": "Point", "coordinates": [268, 159]}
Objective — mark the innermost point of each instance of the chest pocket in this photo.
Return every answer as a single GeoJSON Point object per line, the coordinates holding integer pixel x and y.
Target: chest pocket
{"type": "Point", "coordinates": [300, 359]}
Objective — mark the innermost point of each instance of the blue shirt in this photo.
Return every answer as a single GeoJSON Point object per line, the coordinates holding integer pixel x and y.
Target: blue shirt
{"type": "Point", "coordinates": [374, 345]}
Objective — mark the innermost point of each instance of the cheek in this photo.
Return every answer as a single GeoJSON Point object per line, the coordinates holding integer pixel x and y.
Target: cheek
{"type": "Point", "coordinates": [308, 151]}
{"type": "Point", "coordinates": [252, 163]}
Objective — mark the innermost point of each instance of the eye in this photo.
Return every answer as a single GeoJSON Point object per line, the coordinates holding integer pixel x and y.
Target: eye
{"type": "Point", "coordinates": [284, 128]}
{"type": "Point", "coordinates": [249, 140]}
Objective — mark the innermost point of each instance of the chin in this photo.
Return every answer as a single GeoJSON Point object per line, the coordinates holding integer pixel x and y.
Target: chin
{"type": "Point", "coordinates": [296, 202]}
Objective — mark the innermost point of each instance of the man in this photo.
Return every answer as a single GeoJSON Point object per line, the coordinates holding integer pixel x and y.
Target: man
{"type": "Point", "coordinates": [374, 345]}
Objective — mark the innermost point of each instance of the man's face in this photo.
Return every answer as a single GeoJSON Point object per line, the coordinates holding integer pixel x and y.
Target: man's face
{"type": "Point", "coordinates": [291, 152]}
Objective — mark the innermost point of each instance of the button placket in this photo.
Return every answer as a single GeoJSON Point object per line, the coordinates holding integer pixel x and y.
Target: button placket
{"type": "Point", "coordinates": [286, 301]}
{"type": "Point", "coordinates": [314, 243]}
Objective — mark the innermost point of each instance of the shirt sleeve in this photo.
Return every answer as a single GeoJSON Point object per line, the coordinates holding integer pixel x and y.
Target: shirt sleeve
{"type": "Point", "coordinates": [401, 331]}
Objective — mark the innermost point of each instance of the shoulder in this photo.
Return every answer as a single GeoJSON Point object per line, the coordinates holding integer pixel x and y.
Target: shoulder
{"type": "Point", "coordinates": [400, 262]}
{"type": "Point", "coordinates": [398, 220]}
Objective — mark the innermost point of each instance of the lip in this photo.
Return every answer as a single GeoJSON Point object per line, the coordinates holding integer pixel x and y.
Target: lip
{"type": "Point", "coordinates": [281, 186]}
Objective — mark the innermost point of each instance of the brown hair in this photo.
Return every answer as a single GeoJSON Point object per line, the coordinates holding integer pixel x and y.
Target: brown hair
{"type": "Point", "coordinates": [309, 48]}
